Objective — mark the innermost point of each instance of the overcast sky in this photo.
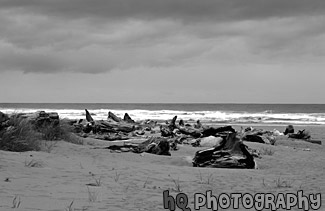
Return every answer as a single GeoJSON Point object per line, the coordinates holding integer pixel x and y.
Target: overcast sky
{"type": "Point", "coordinates": [172, 51]}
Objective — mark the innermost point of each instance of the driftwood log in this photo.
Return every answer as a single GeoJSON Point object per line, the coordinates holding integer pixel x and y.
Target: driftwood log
{"type": "Point", "coordinates": [168, 130]}
{"type": "Point", "coordinates": [114, 117]}
{"type": "Point", "coordinates": [105, 126]}
{"type": "Point", "coordinates": [127, 118]}
{"type": "Point", "coordinates": [231, 153]}
{"type": "Point", "coordinates": [196, 132]}
{"type": "Point", "coordinates": [154, 145]}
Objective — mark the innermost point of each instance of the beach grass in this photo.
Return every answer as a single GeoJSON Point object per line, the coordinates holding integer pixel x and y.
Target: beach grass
{"type": "Point", "coordinates": [22, 135]}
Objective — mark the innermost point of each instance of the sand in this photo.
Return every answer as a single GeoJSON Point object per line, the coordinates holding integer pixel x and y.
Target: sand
{"type": "Point", "coordinates": [98, 179]}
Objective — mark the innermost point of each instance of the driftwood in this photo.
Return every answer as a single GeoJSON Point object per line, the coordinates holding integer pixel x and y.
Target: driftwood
{"type": "Point", "coordinates": [110, 137]}
{"type": "Point", "coordinates": [105, 126]}
{"type": "Point", "coordinates": [305, 136]}
{"type": "Point", "coordinates": [212, 131]}
{"type": "Point", "coordinates": [127, 118]}
{"type": "Point", "coordinates": [231, 153]}
{"type": "Point", "coordinates": [3, 117]}
{"type": "Point", "coordinates": [198, 124]}
{"type": "Point", "coordinates": [289, 129]}
{"type": "Point", "coordinates": [88, 116]}
{"type": "Point", "coordinates": [154, 145]}
{"type": "Point", "coordinates": [114, 117]}
{"type": "Point", "coordinates": [196, 132]}
{"type": "Point", "coordinates": [302, 134]}
{"type": "Point", "coordinates": [116, 127]}
{"type": "Point", "coordinates": [254, 138]}
{"type": "Point", "coordinates": [205, 131]}
{"type": "Point", "coordinates": [168, 130]}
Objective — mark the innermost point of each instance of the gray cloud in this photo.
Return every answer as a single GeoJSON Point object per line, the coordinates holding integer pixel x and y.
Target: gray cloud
{"type": "Point", "coordinates": [186, 10]}
{"type": "Point", "coordinates": [103, 35]}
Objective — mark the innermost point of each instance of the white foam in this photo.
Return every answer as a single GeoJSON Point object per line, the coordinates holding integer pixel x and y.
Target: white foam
{"type": "Point", "coordinates": [204, 116]}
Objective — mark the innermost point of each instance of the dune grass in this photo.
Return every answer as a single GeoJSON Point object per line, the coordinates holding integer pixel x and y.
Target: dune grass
{"type": "Point", "coordinates": [20, 134]}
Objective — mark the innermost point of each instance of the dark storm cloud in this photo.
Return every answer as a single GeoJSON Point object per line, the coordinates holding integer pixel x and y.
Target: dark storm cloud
{"type": "Point", "coordinates": [186, 10]}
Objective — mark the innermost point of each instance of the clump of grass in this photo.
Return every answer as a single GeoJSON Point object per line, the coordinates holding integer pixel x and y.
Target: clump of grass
{"type": "Point", "coordinates": [177, 184]}
{"type": "Point", "coordinates": [70, 208]}
{"type": "Point", "coordinates": [209, 179]}
{"type": "Point", "coordinates": [145, 183]}
{"type": "Point", "coordinates": [33, 163]}
{"type": "Point", "coordinates": [267, 151]}
{"type": "Point", "coordinates": [97, 183]}
{"type": "Point", "coordinates": [92, 195]}
{"type": "Point", "coordinates": [116, 176]}
{"type": "Point", "coordinates": [60, 131]}
{"type": "Point", "coordinates": [16, 202]}
{"type": "Point", "coordinates": [48, 146]}
{"type": "Point", "coordinates": [280, 183]}
{"type": "Point", "coordinates": [19, 136]}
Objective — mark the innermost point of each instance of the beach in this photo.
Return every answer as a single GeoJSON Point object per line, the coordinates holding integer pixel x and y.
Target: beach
{"type": "Point", "coordinates": [162, 105]}
{"type": "Point", "coordinates": [90, 177]}
{"type": "Point", "coordinates": [81, 177]}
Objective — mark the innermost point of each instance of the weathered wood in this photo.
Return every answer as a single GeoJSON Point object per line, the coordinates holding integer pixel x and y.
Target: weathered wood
{"type": "Point", "coordinates": [196, 133]}
{"type": "Point", "coordinates": [3, 117]}
{"type": "Point", "coordinates": [204, 131]}
{"type": "Point", "coordinates": [115, 127]}
{"type": "Point", "coordinates": [128, 119]}
{"type": "Point", "coordinates": [231, 153]}
{"type": "Point", "coordinates": [114, 117]}
{"type": "Point", "coordinates": [213, 131]}
{"type": "Point", "coordinates": [88, 116]}
{"type": "Point", "coordinates": [107, 125]}
{"type": "Point", "coordinates": [167, 131]}
{"type": "Point", "coordinates": [154, 145]}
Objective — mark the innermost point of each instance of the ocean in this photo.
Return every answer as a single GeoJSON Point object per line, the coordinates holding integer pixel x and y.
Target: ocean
{"type": "Point", "coordinates": [270, 114]}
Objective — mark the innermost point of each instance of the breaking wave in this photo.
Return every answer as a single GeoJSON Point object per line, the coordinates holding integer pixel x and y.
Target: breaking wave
{"type": "Point", "coordinates": [266, 117]}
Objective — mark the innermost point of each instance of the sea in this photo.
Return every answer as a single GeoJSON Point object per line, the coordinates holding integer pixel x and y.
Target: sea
{"type": "Point", "coordinates": [268, 114]}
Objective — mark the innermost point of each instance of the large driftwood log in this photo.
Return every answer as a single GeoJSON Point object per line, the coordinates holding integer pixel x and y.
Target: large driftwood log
{"type": "Point", "coordinates": [231, 153]}
{"type": "Point", "coordinates": [213, 131]}
{"type": "Point", "coordinates": [205, 131]}
{"type": "Point", "coordinates": [196, 133]}
{"type": "Point", "coordinates": [116, 127]}
{"type": "Point", "coordinates": [154, 145]}
{"type": "Point", "coordinates": [107, 125]}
